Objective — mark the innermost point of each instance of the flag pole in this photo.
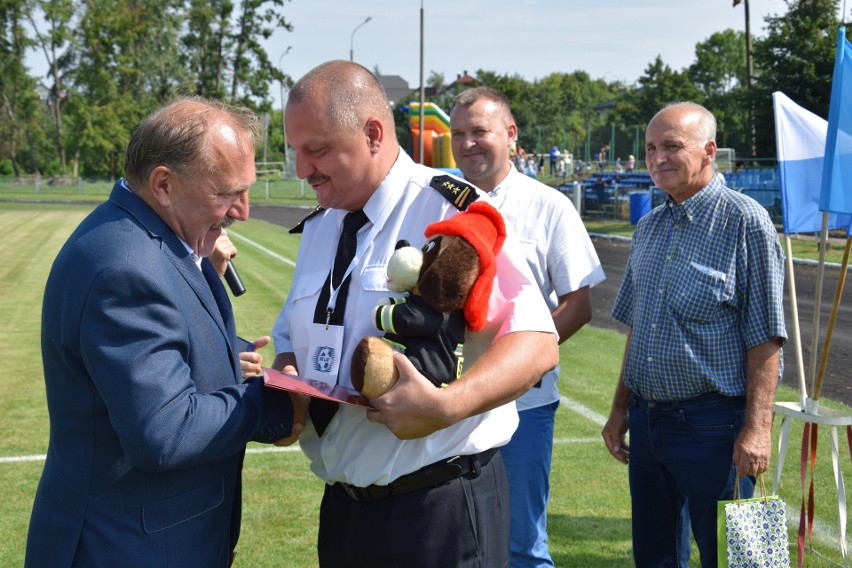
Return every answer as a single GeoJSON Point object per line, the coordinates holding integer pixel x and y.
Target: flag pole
{"type": "Point", "coordinates": [421, 125]}
{"type": "Point", "coordinates": [838, 294]}
{"type": "Point", "coordinates": [823, 241]}
{"type": "Point", "coordinates": [797, 335]}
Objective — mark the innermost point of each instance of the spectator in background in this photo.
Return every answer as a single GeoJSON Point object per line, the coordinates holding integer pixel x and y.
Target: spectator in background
{"type": "Point", "coordinates": [602, 158]}
{"type": "Point", "coordinates": [149, 415]}
{"type": "Point", "coordinates": [599, 189]}
{"type": "Point", "coordinates": [568, 161]}
{"type": "Point", "coordinates": [565, 265]}
{"type": "Point", "coordinates": [531, 167]}
{"type": "Point", "coordinates": [519, 159]}
{"type": "Point", "coordinates": [554, 158]}
{"type": "Point", "coordinates": [631, 163]}
{"type": "Point", "coordinates": [703, 298]}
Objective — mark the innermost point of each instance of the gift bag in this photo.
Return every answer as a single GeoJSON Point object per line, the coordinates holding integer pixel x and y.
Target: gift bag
{"type": "Point", "coordinates": [752, 533]}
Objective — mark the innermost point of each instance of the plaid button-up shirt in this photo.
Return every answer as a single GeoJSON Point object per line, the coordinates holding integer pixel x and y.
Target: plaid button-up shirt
{"type": "Point", "coordinates": [703, 284]}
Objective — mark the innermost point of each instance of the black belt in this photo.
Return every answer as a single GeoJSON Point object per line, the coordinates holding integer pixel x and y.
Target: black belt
{"type": "Point", "coordinates": [428, 476]}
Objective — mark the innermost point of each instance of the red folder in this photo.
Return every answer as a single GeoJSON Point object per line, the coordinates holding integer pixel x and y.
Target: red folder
{"type": "Point", "coordinates": [316, 389]}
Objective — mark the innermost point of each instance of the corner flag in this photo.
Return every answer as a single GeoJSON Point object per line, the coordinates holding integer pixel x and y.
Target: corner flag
{"type": "Point", "coordinates": [800, 142]}
{"type": "Point", "coordinates": [836, 193]}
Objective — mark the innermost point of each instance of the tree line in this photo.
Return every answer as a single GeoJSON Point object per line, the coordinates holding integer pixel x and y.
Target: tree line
{"type": "Point", "coordinates": [111, 62]}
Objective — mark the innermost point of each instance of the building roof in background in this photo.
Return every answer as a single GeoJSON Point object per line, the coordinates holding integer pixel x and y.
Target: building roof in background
{"type": "Point", "coordinates": [396, 88]}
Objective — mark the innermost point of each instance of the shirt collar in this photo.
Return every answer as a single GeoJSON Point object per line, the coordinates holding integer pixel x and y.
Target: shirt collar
{"type": "Point", "coordinates": [698, 203]}
{"type": "Point", "coordinates": [195, 258]}
{"type": "Point", "coordinates": [505, 181]}
{"type": "Point", "coordinates": [389, 191]}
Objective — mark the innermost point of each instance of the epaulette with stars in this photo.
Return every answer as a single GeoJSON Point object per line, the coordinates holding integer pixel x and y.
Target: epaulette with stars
{"type": "Point", "coordinates": [301, 226]}
{"type": "Point", "coordinates": [456, 191]}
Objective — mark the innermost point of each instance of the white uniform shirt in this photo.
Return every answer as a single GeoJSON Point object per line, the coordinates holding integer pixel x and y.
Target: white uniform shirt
{"type": "Point", "coordinates": [558, 250]}
{"type": "Point", "coordinates": [352, 449]}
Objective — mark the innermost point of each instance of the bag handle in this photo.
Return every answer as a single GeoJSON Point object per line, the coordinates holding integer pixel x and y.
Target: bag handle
{"type": "Point", "coordinates": [762, 489]}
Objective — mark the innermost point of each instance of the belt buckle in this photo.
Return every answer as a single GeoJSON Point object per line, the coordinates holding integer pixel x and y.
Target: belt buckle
{"type": "Point", "coordinates": [350, 490]}
{"type": "Point", "coordinates": [463, 464]}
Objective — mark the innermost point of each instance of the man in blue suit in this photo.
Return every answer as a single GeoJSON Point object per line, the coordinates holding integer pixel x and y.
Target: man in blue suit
{"type": "Point", "coordinates": [149, 417]}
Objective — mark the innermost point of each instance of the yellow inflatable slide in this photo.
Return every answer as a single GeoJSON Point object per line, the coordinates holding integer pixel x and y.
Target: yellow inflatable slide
{"type": "Point", "coordinates": [437, 147]}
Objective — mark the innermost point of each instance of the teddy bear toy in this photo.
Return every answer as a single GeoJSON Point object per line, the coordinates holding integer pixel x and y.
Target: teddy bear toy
{"type": "Point", "coordinates": [447, 283]}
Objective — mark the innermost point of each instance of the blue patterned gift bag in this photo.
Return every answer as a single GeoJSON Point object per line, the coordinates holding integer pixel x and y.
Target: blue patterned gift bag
{"type": "Point", "coordinates": [753, 532]}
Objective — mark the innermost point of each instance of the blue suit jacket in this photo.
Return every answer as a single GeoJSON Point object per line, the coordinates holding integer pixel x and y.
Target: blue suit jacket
{"type": "Point", "coordinates": [148, 414]}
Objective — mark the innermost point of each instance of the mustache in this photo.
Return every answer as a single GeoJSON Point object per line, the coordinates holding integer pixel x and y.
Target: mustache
{"type": "Point", "coordinates": [317, 179]}
{"type": "Point", "coordinates": [223, 223]}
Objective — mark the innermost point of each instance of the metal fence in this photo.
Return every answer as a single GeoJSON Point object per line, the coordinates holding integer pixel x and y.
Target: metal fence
{"type": "Point", "coordinates": [609, 195]}
{"type": "Point", "coordinates": [272, 189]}
{"type": "Point", "coordinates": [610, 199]}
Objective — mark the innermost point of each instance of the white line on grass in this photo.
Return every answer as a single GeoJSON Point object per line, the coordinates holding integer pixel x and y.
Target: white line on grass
{"type": "Point", "coordinates": [273, 449]}
{"type": "Point", "coordinates": [583, 411]}
{"type": "Point", "coordinates": [16, 459]}
{"type": "Point", "coordinates": [262, 248]}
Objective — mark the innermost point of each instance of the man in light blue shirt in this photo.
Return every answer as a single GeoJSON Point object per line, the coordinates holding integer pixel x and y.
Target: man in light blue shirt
{"type": "Point", "coordinates": [703, 297]}
{"type": "Point", "coordinates": [565, 266]}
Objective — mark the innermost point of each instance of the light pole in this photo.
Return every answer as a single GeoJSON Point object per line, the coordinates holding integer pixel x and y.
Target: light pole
{"type": "Point", "coordinates": [283, 129]}
{"type": "Point", "coordinates": [352, 39]}
{"type": "Point", "coordinates": [636, 139]}
{"type": "Point", "coordinates": [420, 142]}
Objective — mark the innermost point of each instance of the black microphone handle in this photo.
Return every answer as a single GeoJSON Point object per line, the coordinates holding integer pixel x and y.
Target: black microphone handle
{"type": "Point", "coordinates": [233, 279]}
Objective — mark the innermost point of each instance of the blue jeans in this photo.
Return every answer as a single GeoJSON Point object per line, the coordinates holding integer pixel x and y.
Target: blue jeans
{"type": "Point", "coordinates": [681, 464]}
{"type": "Point", "coordinates": [527, 459]}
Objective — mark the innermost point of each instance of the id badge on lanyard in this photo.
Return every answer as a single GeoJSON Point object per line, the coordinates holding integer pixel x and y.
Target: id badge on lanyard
{"type": "Point", "coordinates": [326, 348]}
{"type": "Point", "coordinates": [326, 341]}
{"type": "Point", "coordinates": [326, 344]}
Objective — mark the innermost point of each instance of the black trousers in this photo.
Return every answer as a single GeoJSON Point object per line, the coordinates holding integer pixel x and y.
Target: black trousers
{"type": "Point", "coordinates": [463, 523]}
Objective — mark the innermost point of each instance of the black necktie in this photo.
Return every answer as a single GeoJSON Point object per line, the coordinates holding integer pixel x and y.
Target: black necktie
{"type": "Point", "coordinates": [322, 411]}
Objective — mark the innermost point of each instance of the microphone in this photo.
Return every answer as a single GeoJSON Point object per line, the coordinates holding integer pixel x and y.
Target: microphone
{"type": "Point", "coordinates": [233, 279]}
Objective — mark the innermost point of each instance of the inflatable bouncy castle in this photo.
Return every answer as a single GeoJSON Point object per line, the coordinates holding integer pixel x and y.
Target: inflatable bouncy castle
{"type": "Point", "coordinates": [437, 147]}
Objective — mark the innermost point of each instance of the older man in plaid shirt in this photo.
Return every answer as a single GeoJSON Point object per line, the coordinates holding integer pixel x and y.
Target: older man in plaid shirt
{"type": "Point", "coordinates": [703, 297]}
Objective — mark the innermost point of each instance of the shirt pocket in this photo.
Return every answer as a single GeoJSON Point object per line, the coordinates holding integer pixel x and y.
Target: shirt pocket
{"type": "Point", "coordinates": [699, 293]}
{"type": "Point", "coordinates": [374, 278]}
{"type": "Point", "coordinates": [374, 287]}
{"type": "Point", "coordinates": [303, 300]}
{"type": "Point", "coordinates": [532, 254]}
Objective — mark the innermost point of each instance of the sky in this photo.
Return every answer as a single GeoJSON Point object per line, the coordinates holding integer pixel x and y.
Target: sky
{"type": "Point", "coordinates": [614, 40]}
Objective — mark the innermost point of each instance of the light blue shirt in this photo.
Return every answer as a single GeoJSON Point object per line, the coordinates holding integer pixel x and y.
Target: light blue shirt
{"type": "Point", "coordinates": [703, 285]}
{"type": "Point", "coordinates": [558, 250]}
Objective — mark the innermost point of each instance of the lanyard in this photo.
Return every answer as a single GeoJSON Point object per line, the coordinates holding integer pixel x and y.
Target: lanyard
{"type": "Point", "coordinates": [363, 248]}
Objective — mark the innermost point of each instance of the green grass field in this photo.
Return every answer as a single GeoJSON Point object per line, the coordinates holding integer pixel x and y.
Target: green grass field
{"type": "Point", "coordinates": [589, 514]}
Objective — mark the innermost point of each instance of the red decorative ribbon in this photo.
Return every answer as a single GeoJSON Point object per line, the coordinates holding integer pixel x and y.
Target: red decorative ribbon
{"type": "Point", "coordinates": [802, 518]}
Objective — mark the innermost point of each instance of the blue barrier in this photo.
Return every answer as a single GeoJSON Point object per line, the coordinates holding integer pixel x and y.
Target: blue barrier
{"type": "Point", "coordinates": [640, 204]}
